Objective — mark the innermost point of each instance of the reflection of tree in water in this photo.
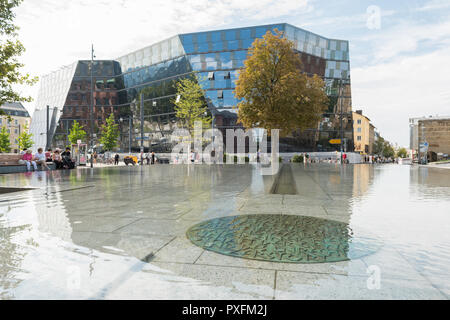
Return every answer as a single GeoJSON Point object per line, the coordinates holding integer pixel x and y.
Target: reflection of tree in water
{"type": "Point", "coordinates": [10, 259]}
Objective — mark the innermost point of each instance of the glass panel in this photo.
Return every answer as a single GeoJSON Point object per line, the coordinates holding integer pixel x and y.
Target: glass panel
{"type": "Point", "coordinates": [233, 45]}
{"type": "Point", "coordinates": [230, 35]}
{"type": "Point", "coordinates": [217, 46]}
{"type": "Point", "coordinates": [215, 36]}
{"type": "Point", "coordinates": [245, 33]}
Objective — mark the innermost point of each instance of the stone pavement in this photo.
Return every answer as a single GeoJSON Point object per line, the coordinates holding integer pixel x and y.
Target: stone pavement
{"type": "Point", "coordinates": [120, 232]}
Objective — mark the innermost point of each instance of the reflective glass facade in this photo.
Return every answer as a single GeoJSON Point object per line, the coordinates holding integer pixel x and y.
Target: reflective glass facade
{"type": "Point", "coordinates": [216, 56]}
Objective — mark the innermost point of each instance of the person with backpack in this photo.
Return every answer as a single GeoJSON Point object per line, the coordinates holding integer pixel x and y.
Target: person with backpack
{"type": "Point", "coordinates": [67, 159]}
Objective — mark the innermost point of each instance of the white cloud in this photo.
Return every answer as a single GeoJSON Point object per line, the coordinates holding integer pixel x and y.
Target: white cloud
{"type": "Point", "coordinates": [407, 38]}
{"type": "Point", "coordinates": [392, 92]}
{"type": "Point", "coordinates": [434, 5]}
{"type": "Point", "coordinates": [58, 33]}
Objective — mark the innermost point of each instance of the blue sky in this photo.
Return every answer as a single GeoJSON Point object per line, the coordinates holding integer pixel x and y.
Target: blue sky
{"type": "Point", "coordinates": [399, 50]}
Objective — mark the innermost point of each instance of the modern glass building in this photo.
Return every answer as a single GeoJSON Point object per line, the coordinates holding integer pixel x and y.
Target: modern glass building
{"type": "Point", "coordinates": [216, 57]}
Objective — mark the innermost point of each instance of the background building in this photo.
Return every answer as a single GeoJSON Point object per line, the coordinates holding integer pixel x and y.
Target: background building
{"type": "Point", "coordinates": [364, 133]}
{"type": "Point", "coordinates": [216, 57]}
{"type": "Point", "coordinates": [20, 120]}
{"type": "Point", "coordinates": [434, 130]}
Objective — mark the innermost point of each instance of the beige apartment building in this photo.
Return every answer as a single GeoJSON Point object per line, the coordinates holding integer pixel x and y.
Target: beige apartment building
{"type": "Point", "coordinates": [363, 133]}
{"type": "Point", "coordinates": [435, 130]}
{"type": "Point", "coordinates": [20, 119]}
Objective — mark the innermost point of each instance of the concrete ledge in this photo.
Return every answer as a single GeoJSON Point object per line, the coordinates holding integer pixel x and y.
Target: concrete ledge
{"type": "Point", "coordinates": [22, 168]}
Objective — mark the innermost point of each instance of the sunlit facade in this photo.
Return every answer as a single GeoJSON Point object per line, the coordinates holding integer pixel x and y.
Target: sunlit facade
{"type": "Point", "coordinates": [16, 120]}
{"type": "Point", "coordinates": [216, 57]}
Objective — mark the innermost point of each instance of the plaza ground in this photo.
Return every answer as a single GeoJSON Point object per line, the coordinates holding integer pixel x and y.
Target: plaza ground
{"type": "Point", "coordinates": [120, 232]}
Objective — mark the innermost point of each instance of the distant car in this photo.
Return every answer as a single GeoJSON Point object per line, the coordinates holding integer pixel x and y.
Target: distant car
{"type": "Point", "coordinates": [130, 160]}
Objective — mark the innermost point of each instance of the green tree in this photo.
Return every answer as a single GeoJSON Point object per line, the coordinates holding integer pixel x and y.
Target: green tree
{"type": "Point", "coordinates": [191, 105]}
{"type": "Point", "coordinates": [388, 150]}
{"type": "Point", "coordinates": [76, 133]}
{"type": "Point", "coordinates": [5, 144]}
{"type": "Point", "coordinates": [10, 49]}
{"type": "Point", "coordinates": [110, 133]}
{"type": "Point", "coordinates": [276, 93]}
{"type": "Point", "coordinates": [25, 140]}
{"type": "Point", "coordinates": [378, 146]}
{"type": "Point", "coordinates": [402, 153]}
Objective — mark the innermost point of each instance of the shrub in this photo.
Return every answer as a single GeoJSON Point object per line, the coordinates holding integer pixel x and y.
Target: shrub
{"type": "Point", "coordinates": [297, 159]}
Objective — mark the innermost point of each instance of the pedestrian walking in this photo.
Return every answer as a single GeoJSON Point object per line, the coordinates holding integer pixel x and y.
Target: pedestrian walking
{"type": "Point", "coordinates": [153, 157]}
{"type": "Point", "coordinates": [116, 159]}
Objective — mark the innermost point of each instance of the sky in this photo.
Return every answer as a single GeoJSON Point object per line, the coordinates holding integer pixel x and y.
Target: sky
{"type": "Point", "coordinates": [399, 50]}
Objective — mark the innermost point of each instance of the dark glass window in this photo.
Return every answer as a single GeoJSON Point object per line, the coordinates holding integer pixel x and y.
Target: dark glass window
{"type": "Point", "coordinates": [219, 94]}
{"type": "Point", "coordinates": [210, 75]}
{"type": "Point", "coordinates": [227, 75]}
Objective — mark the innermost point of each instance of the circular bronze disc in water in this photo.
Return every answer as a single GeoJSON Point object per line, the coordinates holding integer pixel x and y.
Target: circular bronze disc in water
{"type": "Point", "coordinates": [282, 238]}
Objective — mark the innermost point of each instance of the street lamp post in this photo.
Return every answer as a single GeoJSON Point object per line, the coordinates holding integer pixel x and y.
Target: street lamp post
{"type": "Point", "coordinates": [47, 127]}
{"type": "Point", "coordinates": [423, 144]}
{"type": "Point", "coordinates": [340, 118]}
{"type": "Point", "coordinates": [130, 120]}
{"type": "Point", "coordinates": [142, 129]}
{"type": "Point", "coordinates": [92, 108]}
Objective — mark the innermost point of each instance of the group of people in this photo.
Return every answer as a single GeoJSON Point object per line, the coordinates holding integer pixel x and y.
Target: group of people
{"type": "Point", "coordinates": [62, 160]}
{"type": "Point", "coordinates": [148, 157]}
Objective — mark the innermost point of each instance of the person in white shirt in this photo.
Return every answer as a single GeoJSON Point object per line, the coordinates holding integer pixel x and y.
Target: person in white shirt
{"type": "Point", "coordinates": [41, 159]}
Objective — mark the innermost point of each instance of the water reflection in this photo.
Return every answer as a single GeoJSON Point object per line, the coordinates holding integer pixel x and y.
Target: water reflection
{"type": "Point", "coordinates": [104, 222]}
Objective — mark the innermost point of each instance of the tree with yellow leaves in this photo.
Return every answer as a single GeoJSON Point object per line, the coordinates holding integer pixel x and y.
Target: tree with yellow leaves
{"type": "Point", "coordinates": [276, 93]}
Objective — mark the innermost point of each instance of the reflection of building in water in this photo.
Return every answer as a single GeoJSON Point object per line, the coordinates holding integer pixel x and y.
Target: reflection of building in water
{"type": "Point", "coordinates": [11, 256]}
{"type": "Point", "coordinates": [51, 213]}
{"type": "Point", "coordinates": [362, 177]}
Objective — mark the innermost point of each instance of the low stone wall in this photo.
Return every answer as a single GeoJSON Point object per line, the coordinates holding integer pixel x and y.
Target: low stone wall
{"type": "Point", "coordinates": [22, 168]}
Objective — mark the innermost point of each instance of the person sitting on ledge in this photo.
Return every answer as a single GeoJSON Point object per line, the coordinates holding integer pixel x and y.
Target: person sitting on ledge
{"type": "Point", "coordinates": [40, 159]}
{"type": "Point", "coordinates": [67, 159]}
{"type": "Point", "coordinates": [57, 159]}
{"type": "Point", "coordinates": [27, 158]}
{"type": "Point", "coordinates": [48, 155]}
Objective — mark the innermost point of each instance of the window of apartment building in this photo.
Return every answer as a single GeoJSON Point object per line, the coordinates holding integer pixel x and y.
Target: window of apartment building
{"type": "Point", "coordinates": [359, 121]}
{"type": "Point", "coordinates": [359, 129]}
{"type": "Point", "coordinates": [227, 75]}
{"type": "Point", "coordinates": [16, 122]}
{"type": "Point", "coordinates": [210, 75]}
{"type": "Point", "coordinates": [220, 94]}
{"type": "Point", "coordinates": [16, 131]}
{"type": "Point", "coordinates": [358, 138]}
